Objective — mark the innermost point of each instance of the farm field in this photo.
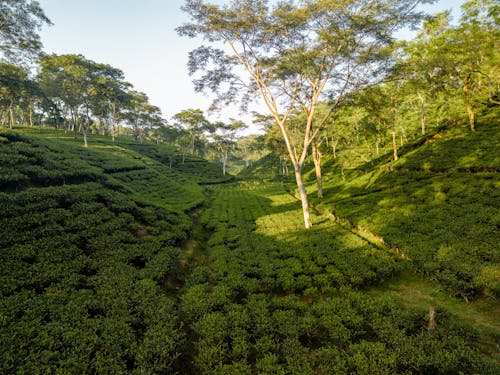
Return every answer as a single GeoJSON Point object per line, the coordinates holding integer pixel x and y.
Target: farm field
{"type": "Point", "coordinates": [302, 187]}
{"type": "Point", "coordinates": [88, 237]}
{"type": "Point", "coordinates": [122, 258]}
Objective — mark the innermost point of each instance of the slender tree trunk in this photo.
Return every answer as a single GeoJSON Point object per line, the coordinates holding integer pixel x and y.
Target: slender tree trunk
{"type": "Point", "coordinates": [84, 137]}
{"type": "Point", "coordinates": [394, 142]}
{"type": "Point", "coordinates": [423, 113]}
{"type": "Point", "coordinates": [75, 123]}
{"type": "Point", "coordinates": [224, 162]}
{"type": "Point", "coordinates": [470, 110]}
{"type": "Point", "coordinates": [22, 117]}
{"type": "Point", "coordinates": [84, 130]}
{"type": "Point", "coordinates": [317, 167]}
{"type": "Point", "coordinates": [11, 117]}
{"type": "Point", "coordinates": [192, 144]}
{"type": "Point", "coordinates": [31, 114]}
{"type": "Point", "coordinates": [303, 195]}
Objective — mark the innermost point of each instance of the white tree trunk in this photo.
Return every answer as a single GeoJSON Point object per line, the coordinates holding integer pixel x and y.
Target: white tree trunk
{"type": "Point", "coordinates": [303, 196]}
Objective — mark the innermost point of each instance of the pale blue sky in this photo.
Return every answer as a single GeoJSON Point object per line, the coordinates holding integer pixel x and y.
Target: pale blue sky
{"type": "Point", "coordinates": [138, 37]}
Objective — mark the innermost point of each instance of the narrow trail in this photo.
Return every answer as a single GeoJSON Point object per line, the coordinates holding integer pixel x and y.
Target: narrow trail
{"type": "Point", "coordinates": [192, 250]}
{"type": "Point", "coordinates": [193, 254]}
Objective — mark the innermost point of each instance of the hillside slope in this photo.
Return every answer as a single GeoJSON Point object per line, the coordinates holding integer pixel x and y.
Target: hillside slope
{"type": "Point", "coordinates": [87, 239]}
{"type": "Point", "coordinates": [439, 203]}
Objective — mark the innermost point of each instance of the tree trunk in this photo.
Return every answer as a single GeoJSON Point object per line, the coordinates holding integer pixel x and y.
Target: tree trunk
{"type": "Point", "coordinates": [192, 144]}
{"type": "Point", "coordinates": [423, 113]}
{"type": "Point", "coordinates": [74, 120]}
{"type": "Point", "coordinates": [31, 114]}
{"type": "Point", "coordinates": [303, 196]}
{"type": "Point", "coordinates": [11, 117]}
{"type": "Point", "coordinates": [317, 167]}
{"type": "Point", "coordinates": [394, 142]}
{"type": "Point", "coordinates": [224, 163]}
{"type": "Point", "coordinates": [470, 112]}
{"type": "Point", "coordinates": [22, 117]}
{"type": "Point", "coordinates": [85, 137]}
{"type": "Point", "coordinates": [334, 147]}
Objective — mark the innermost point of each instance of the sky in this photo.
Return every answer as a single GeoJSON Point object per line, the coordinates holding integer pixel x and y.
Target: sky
{"type": "Point", "coordinates": [139, 37]}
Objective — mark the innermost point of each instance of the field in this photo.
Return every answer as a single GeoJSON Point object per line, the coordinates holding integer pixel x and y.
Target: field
{"type": "Point", "coordinates": [130, 258]}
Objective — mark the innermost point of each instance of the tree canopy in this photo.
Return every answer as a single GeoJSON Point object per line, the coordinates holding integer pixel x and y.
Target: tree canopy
{"type": "Point", "coordinates": [20, 21]}
{"type": "Point", "coordinates": [294, 53]}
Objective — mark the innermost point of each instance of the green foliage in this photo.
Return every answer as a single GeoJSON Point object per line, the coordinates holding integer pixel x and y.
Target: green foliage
{"type": "Point", "coordinates": [438, 204]}
{"type": "Point", "coordinates": [275, 298]}
{"type": "Point", "coordinates": [85, 251]}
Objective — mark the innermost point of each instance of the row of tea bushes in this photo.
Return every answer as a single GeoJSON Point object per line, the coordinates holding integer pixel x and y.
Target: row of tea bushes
{"type": "Point", "coordinates": [84, 254]}
{"type": "Point", "coordinates": [276, 299]}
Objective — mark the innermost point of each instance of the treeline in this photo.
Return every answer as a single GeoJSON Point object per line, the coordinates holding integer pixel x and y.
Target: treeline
{"type": "Point", "coordinates": [447, 75]}
{"type": "Point", "coordinates": [78, 96]}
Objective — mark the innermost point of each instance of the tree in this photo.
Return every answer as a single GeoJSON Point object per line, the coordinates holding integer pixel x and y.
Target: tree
{"type": "Point", "coordinates": [109, 97]}
{"type": "Point", "coordinates": [20, 21]}
{"type": "Point", "coordinates": [88, 90]}
{"type": "Point", "coordinates": [250, 149]}
{"type": "Point", "coordinates": [460, 60]}
{"type": "Point", "coordinates": [225, 139]}
{"type": "Point", "coordinates": [12, 85]}
{"type": "Point", "coordinates": [193, 121]}
{"type": "Point", "coordinates": [66, 78]}
{"type": "Point", "coordinates": [292, 55]}
{"type": "Point", "coordinates": [382, 109]}
{"type": "Point", "coordinates": [140, 114]}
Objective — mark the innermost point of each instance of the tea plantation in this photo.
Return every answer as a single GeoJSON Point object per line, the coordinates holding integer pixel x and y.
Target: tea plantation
{"type": "Point", "coordinates": [131, 258]}
{"type": "Point", "coordinates": [87, 239]}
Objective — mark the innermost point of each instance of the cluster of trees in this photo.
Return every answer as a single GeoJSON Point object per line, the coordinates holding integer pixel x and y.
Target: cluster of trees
{"type": "Point", "coordinates": [332, 73]}
{"type": "Point", "coordinates": [80, 95]}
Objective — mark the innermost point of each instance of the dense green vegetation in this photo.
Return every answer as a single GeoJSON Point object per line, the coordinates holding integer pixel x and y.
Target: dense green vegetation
{"type": "Point", "coordinates": [97, 277]}
{"type": "Point", "coordinates": [361, 236]}
{"type": "Point", "coordinates": [275, 298]}
{"type": "Point", "coordinates": [88, 237]}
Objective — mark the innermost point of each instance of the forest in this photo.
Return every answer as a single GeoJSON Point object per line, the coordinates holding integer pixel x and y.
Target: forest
{"type": "Point", "coordinates": [356, 233]}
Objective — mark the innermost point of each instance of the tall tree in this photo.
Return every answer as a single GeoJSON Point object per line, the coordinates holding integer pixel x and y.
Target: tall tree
{"type": "Point", "coordinates": [141, 115]}
{"type": "Point", "coordinates": [293, 53]}
{"type": "Point", "coordinates": [13, 81]}
{"type": "Point", "coordinates": [225, 139]}
{"type": "Point", "coordinates": [71, 79]}
{"type": "Point", "coordinates": [110, 97]}
{"type": "Point", "coordinates": [20, 21]}
{"type": "Point", "coordinates": [193, 121]}
{"type": "Point", "coordinates": [460, 60]}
